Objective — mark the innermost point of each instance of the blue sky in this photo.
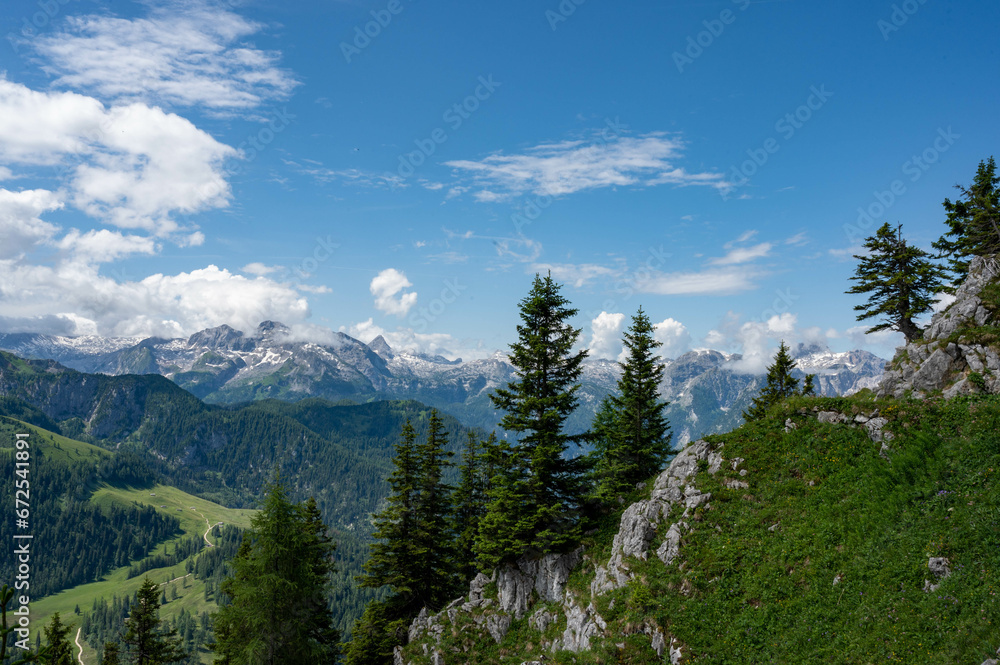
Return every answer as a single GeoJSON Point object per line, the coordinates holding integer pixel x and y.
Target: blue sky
{"type": "Point", "coordinates": [405, 167]}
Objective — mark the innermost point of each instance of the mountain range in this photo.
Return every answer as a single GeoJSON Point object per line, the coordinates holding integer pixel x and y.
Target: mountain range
{"type": "Point", "coordinates": [223, 365]}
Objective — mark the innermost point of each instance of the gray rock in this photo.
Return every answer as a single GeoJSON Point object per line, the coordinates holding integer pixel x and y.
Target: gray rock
{"type": "Point", "coordinates": [546, 576]}
{"type": "Point", "coordinates": [581, 625]}
{"type": "Point", "coordinates": [656, 640]}
{"type": "Point", "coordinates": [876, 430]}
{"type": "Point", "coordinates": [961, 387]}
{"type": "Point", "coordinates": [737, 484]}
{"type": "Point", "coordinates": [939, 566]}
{"type": "Point", "coordinates": [397, 656]}
{"type": "Point", "coordinates": [671, 545]}
{"type": "Point", "coordinates": [675, 652]}
{"type": "Point", "coordinates": [789, 426]}
{"type": "Point", "coordinates": [542, 619]}
{"type": "Point", "coordinates": [933, 371]}
{"type": "Point", "coordinates": [498, 625]}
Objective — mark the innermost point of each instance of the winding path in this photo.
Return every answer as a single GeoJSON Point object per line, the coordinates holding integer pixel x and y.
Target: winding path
{"type": "Point", "coordinates": [79, 646]}
{"type": "Point", "coordinates": [210, 527]}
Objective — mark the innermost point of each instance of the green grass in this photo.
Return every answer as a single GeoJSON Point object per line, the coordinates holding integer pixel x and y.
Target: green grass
{"type": "Point", "coordinates": [193, 513]}
{"type": "Point", "coordinates": [747, 594]}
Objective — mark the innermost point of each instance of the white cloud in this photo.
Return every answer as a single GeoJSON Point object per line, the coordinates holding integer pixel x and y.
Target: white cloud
{"type": "Point", "coordinates": [605, 341]}
{"type": "Point", "coordinates": [259, 269]}
{"type": "Point", "coordinates": [721, 281]}
{"type": "Point", "coordinates": [385, 286]}
{"type": "Point", "coordinates": [131, 166]}
{"type": "Point", "coordinates": [674, 336]}
{"type": "Point", "coordinates": [183, 53]}
{"type": "Point", "coordinates": [575, 274]}
{"type": "Point", "coordinates": [798, 239]}
{"type": "Point", "coordinates": [409, 341]}
{"type": "Point", "coordinates": [21, 228]}
{"type": "Point", "coordinates": [571, 166]}
{"type": "Point", "coordinates": [756, 341]}
{"type": "Point", "coordinates": [103, 246]}
{"type": "Point", "coordinates": [162, 305]}
{"type": "Point", "coordinates": [739, 255]}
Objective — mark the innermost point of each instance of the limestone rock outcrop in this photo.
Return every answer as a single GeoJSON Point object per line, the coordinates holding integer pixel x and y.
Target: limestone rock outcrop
{"type": "Point", "coordinates": [951, 357]}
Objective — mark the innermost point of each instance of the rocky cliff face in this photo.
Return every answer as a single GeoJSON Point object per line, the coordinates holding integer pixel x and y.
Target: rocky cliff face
{"type": "Point", "coordinates": [567, 619]}
{"type": "Point", "coordinates": [959, 353]}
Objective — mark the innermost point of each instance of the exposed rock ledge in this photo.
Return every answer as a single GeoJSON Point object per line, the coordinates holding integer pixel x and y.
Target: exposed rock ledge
{"type": "Point", "coordinates": [519, 586]}
{"type": "Point", "coordinates": [946, 359]}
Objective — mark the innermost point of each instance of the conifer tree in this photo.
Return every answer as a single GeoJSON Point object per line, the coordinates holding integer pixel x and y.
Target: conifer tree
{"type": "Point", "coordinates": [469, 502]}
{"type": "Point", "coordinates": [973, 221]}
{"type": "Point", "coordinates": [147, 643]}
{"type": "Point", "coordinates": [435, 544]}
{"type": "Point", "coordinates": [110, 655]}
{"type": "Point", "coordinates": [505, 528]}
{"type": "Point", "coordinates": [374, 636]}
{"type": "Point", "coordinates": [631, 432]}
{"type": "Point", "coordinates": [901, 279]}
{"type": "Point", "coordinates": [277, 594]}
{"type": "Point", "coordinates": [780, 384]}
{"type": "Point", "coordinates": [60, 650]}
{"type": "Point", "coordinates": [537, 405]}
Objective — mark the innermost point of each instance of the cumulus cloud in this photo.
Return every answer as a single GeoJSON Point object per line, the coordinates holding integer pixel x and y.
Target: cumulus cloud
{"type": "Point", "coordinates": [674, 336]}
{"type": "Point", "coordinates": [162, 305]}
{"type": "Point", "coordinates": [21, 226]}
{"type": "Point", "coordinates": [182, 53]}
{"type": "Point", "coordinates": [132, 166]}
{"type": "Point", "coordinates": [566, 167]}
{"type": "Point", "coordinates": [409, 341]}
{"type": "Point", "coordinates": [103, 246]}
{"type": "Point", "coordinates": [756, 341]}
{"type": "Point", "coordinates": [385, 287]}
{"type": "Point", "coordinates": [605, 341]}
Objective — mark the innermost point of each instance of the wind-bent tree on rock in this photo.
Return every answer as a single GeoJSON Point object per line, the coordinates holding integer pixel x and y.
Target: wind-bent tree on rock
{"type": "Point", "coordinates": [901, 280]}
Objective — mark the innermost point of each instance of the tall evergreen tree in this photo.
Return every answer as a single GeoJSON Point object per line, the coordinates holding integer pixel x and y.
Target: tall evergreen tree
{"type": "Point", "coordinates": [110, 655]}
{"type": "Point", "coordinates": [505, 529]}
{"type": "Point", "coordinates": [147, 643]}
{"type": "Point", "coordinates": [375, 635]}
{"type": "Point", "coordinates": [277, 594]}
{"type": "Point", "coordinates": [973, 221]}
{"type": "Point", "coordinates": [537, 405]}
{"type": "Point", "coordinates": [901, 279]}
{"type": "Point", "coordinates": [780, 384]}
{"type": "Point", "coordinates": [56, 635]}
{"type": "Point", "coordinates": [631, 431]}
{"type": "Point", "coordinates": [469, 502]}
{"type": "Point", "coordinates": [435, 544]}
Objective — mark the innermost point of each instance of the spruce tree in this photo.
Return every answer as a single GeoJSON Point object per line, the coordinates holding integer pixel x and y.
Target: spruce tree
{"type": "Point", "coordinates": [537, 405]}
{"type": "Point", "coordinates": [374, 636]}
{"type": "Point", "coordinates": [901, 279]}
{"type": "Point", "coordinates": [780, 384]}
{"type": "Point", "coordinates": [110, 655]}
{"type": "Point", "coordinates": [631, 432]}
{"type": "Point", "coordinates": [56, 635]}
{"type": "Point", "coordinates": [276, 612]}
{"type": "Point", "coordinates": [469, 502]}
{"type": "Point", "coordinates": [147, 643]}
{"type": "Point", "coordinates": [973, 221]}
{"type": "Point", "coordinates": [435, 544]}
{"type": "Point", "coordinates": [505, 529]}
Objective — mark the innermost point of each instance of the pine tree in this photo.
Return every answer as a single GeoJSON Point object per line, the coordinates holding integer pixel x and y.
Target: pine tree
{"type": "Point", "coordinates": [780, 384]}
{"type": "Point", "coordinates": [973, 221]}
{"type": "Point", "coordinates": [374, 636]}
{"type": "Point", "coordinates": [147, 643]}
{"type": "Point", "coordinates": [435, 545]}
{"type": "Point", "coordinates": [60, 650]}
{"type": "Point", "coordinates": [393, 558]}
{"type": "Point", "coordinates": [631, 432]}
{"type": "Point", "coordinates": [505, 528]}
{"type": "Point", "coordinates": [537, 405]}
{"type": "Point", "coordinates": [469, 500]}
{"type": "Point", "coordinates": [277, 612]}
{"type": "Point", "coordinates": [110, 656]}
{"type": "Point", "coordinates": [901, 280]}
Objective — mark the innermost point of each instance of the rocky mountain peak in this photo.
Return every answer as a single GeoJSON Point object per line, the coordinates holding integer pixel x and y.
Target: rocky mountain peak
{"type": "Point", "coordinates": [220, 337]}
{"type": "Point", "coordinates": [382, 348]}
{"type": "Point", "coordinates": [958, 353]}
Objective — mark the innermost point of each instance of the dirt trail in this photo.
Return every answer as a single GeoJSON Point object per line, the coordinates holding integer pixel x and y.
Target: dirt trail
{"type": "Point", "coordinates": [79, 646]}
{"type": "Point", "coordinates": [210, 527]}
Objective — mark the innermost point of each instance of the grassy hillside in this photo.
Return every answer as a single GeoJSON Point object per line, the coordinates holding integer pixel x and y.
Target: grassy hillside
{"type": "Point", "coordinates": [822, 559]}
